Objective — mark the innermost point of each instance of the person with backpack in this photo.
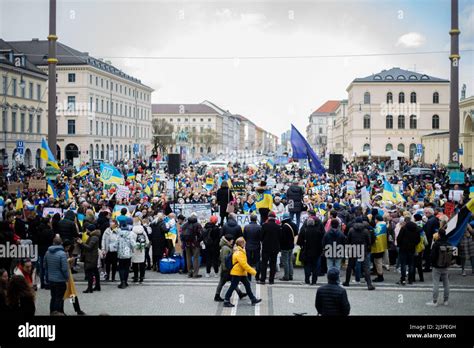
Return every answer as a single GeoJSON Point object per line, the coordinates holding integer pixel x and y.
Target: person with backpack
{"type": "Point", "coordinates": [191, 237]}
{"type": "Point", "coordinates": [239, 270]}
{"type": "Point", "coordinates": [226, 244]}
{"type": "Point", "coordinates": [126, 246]}
{"type": "Point", "coordinates": [407, 240]}
{"type": "Point", "coordinates": [331, 241]}
{"type": "Point", "coordinates": [441, 256]}
{"type": "Point", "coordinates": [138, 257]}
{"type": "Point", "coordinates": [109, 249]}
{"type": "Point", "coordinates": [90, 252]}
{"type": "Point", "coordinates": [289, 231]}
{"type": "Point", "coordinates": [211, 238]}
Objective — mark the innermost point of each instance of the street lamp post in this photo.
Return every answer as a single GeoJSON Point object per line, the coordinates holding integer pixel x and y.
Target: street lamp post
{"type": "Point", "coordinates": [52, 61]}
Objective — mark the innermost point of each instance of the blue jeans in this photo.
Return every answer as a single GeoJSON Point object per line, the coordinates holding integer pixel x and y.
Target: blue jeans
{"type": "Point", "coordinates": [298, 218]}
{"type": "Point", "coordinates": [311, 268]}
{"type": "Point", "coordinates": [407, 259]}
{"type": "Point", "coordinates": [286, 256]}
{"type": "Point", "coordinates": [333, 262]}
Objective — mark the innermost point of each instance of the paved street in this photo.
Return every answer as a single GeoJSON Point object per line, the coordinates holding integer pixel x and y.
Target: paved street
{"type": "Point", "coordinates": [175, 294]}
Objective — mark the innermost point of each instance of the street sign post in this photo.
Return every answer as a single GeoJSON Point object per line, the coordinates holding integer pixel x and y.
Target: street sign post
{"type": "Point", "coordinates": [20, 147]}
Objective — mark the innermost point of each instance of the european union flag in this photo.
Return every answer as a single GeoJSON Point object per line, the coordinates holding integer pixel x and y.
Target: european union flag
{"type": "Point", "coordinates": [302, 150]}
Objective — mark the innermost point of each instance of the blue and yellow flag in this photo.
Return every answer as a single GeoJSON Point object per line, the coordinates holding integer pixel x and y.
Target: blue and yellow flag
{"type": "Point", "coordinates": [147, 190]}
{"type": "Point", "coordinates": [47, 155]}
{"type": "Point", "coordinates": [82, 172]}
{"type": "Point", "coordinates": [389, 194]}
{"type": "Point", "coordinates": [80, 218]}
{"type": "Point", "coordinates": [51, 191]}
{"type": "Point", "coordinates": [19, 200]}
{"type": "Point", "coordinates": [264, 200]}
{"type": "Point", "coordinates": [270, 163]}
{"type": "Point", "coordinates": [131, 176]}
{"type": "Point", "coordinates": [68, 193]}
{"type": "Point", "coordinates": [110, 175]}
{"type": "Point", "coordinates": [155, 189]}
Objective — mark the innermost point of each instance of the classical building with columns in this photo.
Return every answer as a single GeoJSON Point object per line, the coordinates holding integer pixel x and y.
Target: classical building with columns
{"type": "Point", "coordinates": [23, 108]}
{"type": "Point", "coordinates": [102, 112]}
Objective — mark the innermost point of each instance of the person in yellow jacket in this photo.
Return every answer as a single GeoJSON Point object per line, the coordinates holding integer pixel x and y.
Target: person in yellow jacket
{"type": "Point", "coordinates": [239, 272]}
{"type": "Point", "coordinates": [379, 247]}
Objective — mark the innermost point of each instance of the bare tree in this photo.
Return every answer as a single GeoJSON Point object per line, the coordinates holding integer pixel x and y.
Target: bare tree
{"type": "Point", "coordinates": [205, 138]}
{"type": "Point", "coordinates": [162, 135]}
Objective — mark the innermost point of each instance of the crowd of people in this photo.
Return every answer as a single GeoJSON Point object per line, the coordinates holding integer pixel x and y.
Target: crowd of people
{"type": "Point", "coordinates": [295, 217]}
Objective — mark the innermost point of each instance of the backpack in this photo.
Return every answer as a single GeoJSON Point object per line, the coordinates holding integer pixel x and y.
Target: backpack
{"type": "Point", "coordinates": [141, 239]}
{"type": "Point", "coordinates": [188, 233]}
{"type": "Point", "coordinates": [228, 261]}
{"type": "Point", "coordinates": [445, 255]}
{"type": "Point", "coordinates": [207, 238]}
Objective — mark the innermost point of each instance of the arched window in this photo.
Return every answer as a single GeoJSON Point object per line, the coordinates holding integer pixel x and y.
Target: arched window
{"type": "Point", "coordinates": [91, 152]}
{"type": "Point", "coordinates": [401, 148]}
{"type": "Point", "coordinates": [107, 153]}
{"type": "Point", "coordinates": [366, 147]}
{"type": "Point", "coordinates": [401, 122]}
{"type": "Point", "coordinates": [413, 122]}
{"type": "Point", "coordinates": [389, 122]}
{"type": "Point", "coordinates": [366, 98]}
{"type": "Point", "coordinates": [412, 151]}
{"type": "Point", "coordinates": [401, 97]}
{"type": "Point", "coordinates": [102, 151]}
{"type": "Point", "coordinates": [97, 151]}
{"type": "Point", "coordinates": [388, 147]}
{"type": "Point", "coordinates": [366, 121]}
{"type": "Point", "coordinates": [389, 98]}
{"type": "Point", "coordinates": [412, 97]}
{"type": "Point", "coordinates": [435, 122]}
{"type": "Point", "coordinates": [435, 98]}
{"type": "Point", "coordinates": [209, 149]}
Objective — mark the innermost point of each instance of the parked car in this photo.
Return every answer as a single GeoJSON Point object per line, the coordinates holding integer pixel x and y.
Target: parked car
{"type": "Point", "coordinates": [419, 173]}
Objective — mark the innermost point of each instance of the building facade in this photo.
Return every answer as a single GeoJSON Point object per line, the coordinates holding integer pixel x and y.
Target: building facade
{"type": "Point", "coordinates": [23, 107]}
{"type": "Point", "coordinates": [102, 113]}
{"type": "Point", "coordinates": [317, 132]}
{"type": "Point", "coordinates": [391, 110]}
{"type": "Point", "coordinates": [436, 145]}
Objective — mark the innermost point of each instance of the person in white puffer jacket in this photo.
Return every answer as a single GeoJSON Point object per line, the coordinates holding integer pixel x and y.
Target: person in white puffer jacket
{"type": "Point", "coordinates": [140, 237]}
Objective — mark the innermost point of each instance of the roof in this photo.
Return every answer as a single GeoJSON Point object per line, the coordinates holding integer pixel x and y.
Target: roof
{"type": "Point", "coordinates": [169, 109]}
{"type": "Point", "coordinates": [37, 52]}
{"type": "Point", "coordinates": [328, 107]}
{"type": "Point", "coordinates": [399, 75]}
{"type": "Point", "coordinates": [435, 134]}
{"type": "Point", "coordinates": [28, 64]}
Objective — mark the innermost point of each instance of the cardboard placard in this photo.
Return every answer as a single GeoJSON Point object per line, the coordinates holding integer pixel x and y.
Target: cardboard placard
{"type": "Point", "coordinates": [37, 184]}
{"type": "Point", "coordinates": [52, 211]}
{"type": "Point", "coordinates": [14, 186]}
{"type": "Point", "coordinates": [449, 209]}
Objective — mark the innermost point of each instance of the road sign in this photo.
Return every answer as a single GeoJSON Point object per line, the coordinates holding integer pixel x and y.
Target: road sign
{"type": "Point", "coordinates": [136, 148]}
{"type": "Point", "coordinates": [419, 148]}
{"type": "Point", "coordinates": [461, 151]}
{"type": "Point", "coordinates": [20, 147]}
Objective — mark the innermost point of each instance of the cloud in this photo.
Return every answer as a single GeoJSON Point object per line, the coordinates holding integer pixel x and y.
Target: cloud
{"type": "Point", "coordinates": [411, 40]}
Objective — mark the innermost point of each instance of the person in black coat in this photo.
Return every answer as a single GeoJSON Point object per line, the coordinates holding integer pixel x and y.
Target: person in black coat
{"type": "Point", "coordinates": [6, 237]}
{"type": "Point", "coordinates": [271, 233]}
{"type": "Point", "coordinates": [20, 225]}
{"type": "Point", "coordinates": [211, 236]}
{"type": "Point", "coordinates": [407, 240]}
{"type": "Point", "coordinates": [310, 239]}
{"type": "Point", "coordinates": [430, 228]}
{"type": "Point", "coordinates": [289, 231]}
{"type": "Point", "coordinates": [294, 197]}
{"type": "Point", "coordinates": [67, 227]}
{"type": "Point", "coordinates": [44, 239]}
{"type": "Point", "coordinates": [158, 240]}
{"type": "Point", "coordinates": [359, 237]}
{"type": "Point", "coordinates": [20, 299]}
{"type": "Point", "coordinates": [232, 227]}
{"type": "Point", "coordinates": [253, 246]}
{"type": "Point", "coordinates": [331, 299]}
{"type": "Point", "coordinates": [223, 197]}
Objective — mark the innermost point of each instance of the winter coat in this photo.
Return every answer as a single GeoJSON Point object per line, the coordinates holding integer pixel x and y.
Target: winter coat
{"type": "Point", "coordinates": [310, 239]}
{"type": "Point", "coordinates": [158, 233]}
{"type": "Point", "coordinates": [110, 240]}
{"type": "Point", "coordinates": [195, 229]}
{"type": "Point", "coordinates": [233, 228]}
{"type": "Point", "coordinates": [408, 238]}
{"type": "Point", "coordinates": [271, 233]}
{"type": "Point", "coordinates": [90, 250]}
{"type": "Point", "coordinates": [226, 249]}
{"type": "Point", "coordinates": [67, 228]}
{"type": "Point", "coordinates": [331, 300]}
{"type": "Point", "coordinates": [126, 244]}
{"type": "Point", "coordinates": [211, 233]}
{"type": "Point", "coordinates": [253, 236]}
{"type": "Point", "coordinates": [139, 250]}
{"type": "Point", "coordinates": [56, 265]}
{"type": "Point", "coordinates": [278, 209]}
{"type": "Point", "coordinates": [44, 238]}
{"type": "Point", "coordinates": [223, 197]}
{"type": "Point", "coordinates": [359, 235]}
{"type": "Point", "coordinates": [334, 236]}
{"type": "Point", "coordinates": [288, 233]}
{"type": "Point", "coordinates": [240, 266]}
{"type": "Point", "coordinates": [431, 227]}
{"type": "Point", "coordinates": [295, 194]}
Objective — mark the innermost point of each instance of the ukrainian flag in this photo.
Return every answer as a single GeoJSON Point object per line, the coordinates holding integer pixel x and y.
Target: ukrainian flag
{"type": "Point", "coordinates": [68, 193]}
{"type": "Point", "coordinates": [47, 155]}
{"type": "Point", "coordinates": [51, 191]}
{"type": "Point", "coordinates": [147, 190]}
{"type": "Point", "coordinates": [270, 164]}
{"type": "Point", "coordinates": [131, 176]}
{"type": "Point", "coordinates": [155, 189]}
{"type": "Point", "coordinates": [389, 194]}
{"type": "Point", "coordinates": [19, 200]}
{"type": "Point", "coordinates": [80, 218]}
{"type": "Point", "coordinates": [264, 200]}
{"type": "Point", "coordinates": [82, 172]}
{"type": "Point", "coordinates": [110, 175]}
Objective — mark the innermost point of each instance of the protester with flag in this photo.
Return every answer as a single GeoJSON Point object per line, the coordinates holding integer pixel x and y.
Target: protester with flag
{"type": "Point", "coordinates": [264, 201]}
{"type": "Point", "coordinates": [47, 155]}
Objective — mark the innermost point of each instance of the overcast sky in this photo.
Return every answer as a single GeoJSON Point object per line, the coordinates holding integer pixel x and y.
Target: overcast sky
{"type": "Point", "coordinates": [271, 92]}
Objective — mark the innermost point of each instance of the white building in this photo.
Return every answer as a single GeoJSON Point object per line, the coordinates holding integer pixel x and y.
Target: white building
{"type": "Point", "coordinates": [23, 106]}
{"type": "Point", "coordinates": [392, 109]}
{"type": "Point", "coordinates": [101, 111]}
{"type": "Point", "coordinates": [319, 125]}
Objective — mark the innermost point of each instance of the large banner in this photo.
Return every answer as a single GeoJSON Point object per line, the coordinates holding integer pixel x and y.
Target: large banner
{"type": "Point", "coordinates": [202, 210]}
{"type": "Point", "coordinates": [38, 184]}
{"type": "Point", "coordinates": [244, 219]}
{"type": "Point", "coordinates": [122, 192]}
